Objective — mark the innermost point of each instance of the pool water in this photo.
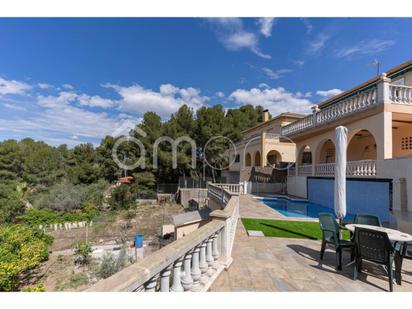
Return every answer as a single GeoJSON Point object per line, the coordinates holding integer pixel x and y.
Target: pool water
{"type": "Point", "coordinates": [299, 209]}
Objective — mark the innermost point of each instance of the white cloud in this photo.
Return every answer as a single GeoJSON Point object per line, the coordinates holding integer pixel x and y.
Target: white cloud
{"type": "Point", "coordinates": [275, 74]}
{"type": "Point", "coordinates": [233, 36]}
{"type": "Point", "coordinates": [44, 86]}
{"type": "Point", "coordinates": [220, 94]}
{"type": "Point", "coordinates": [61, 123]}
{"type": "Point", "coordinates": [277, 100]}
{"type": "Point", "coordinates": [319, 43]}
{"type": "Point", "coordinates": [15, 107]}
{"type": "Point", "coordinates": [308, 25]}
{"type": "Point", "coordinates": [64, 98]}
{"type": "Point", "coordinates": [263, 85]}
{"type": "Point", "coordinates": [328, 93]}
{"type": "Point", "coordinates": [138, 100]}
{"type": "Point", "coordinates": [299, 63]}
{"type": "Point", "coordinates": [68, 86]}
{"type": "Point", "coordinates": [12, 87]}
{"type": "Point", "coordinates": [95, 101]}
{"type": "Point", "coordinates": [365, 47]}
{"type": "Point", "coordinates": [266, 25]}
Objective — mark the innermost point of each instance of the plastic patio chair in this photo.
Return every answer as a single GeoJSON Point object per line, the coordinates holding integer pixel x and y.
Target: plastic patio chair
{"type": "Point", "coordinates": [367, 219]}
{"type": "Point", "coordinates": [331, 235]}
{"type": "Point", "coordinates": [373, 246]}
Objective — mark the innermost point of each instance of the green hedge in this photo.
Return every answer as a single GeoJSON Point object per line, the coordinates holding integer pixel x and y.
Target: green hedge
{"type": "Point", "coordinates": [35, 217]}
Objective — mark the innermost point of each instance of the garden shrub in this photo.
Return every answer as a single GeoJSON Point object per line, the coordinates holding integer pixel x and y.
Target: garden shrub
{"type": "Point", "coordinates": [111, 264]}
{"type": "Point", "coordinates": [21, 249]}
{"type": "Point", "coordinates": [82, 251]}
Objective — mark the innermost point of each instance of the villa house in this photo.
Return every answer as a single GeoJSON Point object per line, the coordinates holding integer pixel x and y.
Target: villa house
{"type": "Point", "coordinates": [261, 149]}
{"type": "Point", "coordinates": [378, 116]}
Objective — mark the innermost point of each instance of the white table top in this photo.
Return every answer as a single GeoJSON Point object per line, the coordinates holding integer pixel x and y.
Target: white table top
{"type": "Point", "coordinates": [394, 235]}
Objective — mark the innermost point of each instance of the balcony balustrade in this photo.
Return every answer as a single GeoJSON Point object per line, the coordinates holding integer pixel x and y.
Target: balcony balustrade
{"type": "Point", "coordinates": [383, 92]}
{"type": "Point", "coordinates": [362, 168]}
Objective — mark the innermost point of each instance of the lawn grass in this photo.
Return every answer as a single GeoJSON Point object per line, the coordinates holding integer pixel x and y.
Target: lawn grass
{"type": "Point", "coordinates": [287, 229]}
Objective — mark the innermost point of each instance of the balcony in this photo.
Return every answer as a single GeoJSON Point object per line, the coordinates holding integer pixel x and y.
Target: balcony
{"type": "Point", "coordinates": [382, 92]}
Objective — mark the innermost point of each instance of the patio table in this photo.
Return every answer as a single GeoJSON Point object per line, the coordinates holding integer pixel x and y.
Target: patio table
{"type": "Point", "coordinates": [396, 237]}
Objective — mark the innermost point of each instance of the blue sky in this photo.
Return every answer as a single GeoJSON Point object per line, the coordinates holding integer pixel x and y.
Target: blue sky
{"type": "Point", "coordinates": [77, 80]}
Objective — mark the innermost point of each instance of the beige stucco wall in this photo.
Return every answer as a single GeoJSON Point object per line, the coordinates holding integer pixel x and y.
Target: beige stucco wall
{"type": "Point", "coordinates": [397, 169]}
{"type": "Point", "coordinates": [407, 78]}
{"type": "Point", "coordinates": [379, 125]}
{"type": "Point", "coordinates": [402, 132]}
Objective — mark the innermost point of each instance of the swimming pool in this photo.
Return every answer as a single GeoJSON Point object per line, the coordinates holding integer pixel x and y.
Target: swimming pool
{"type": "Point", "coordinates": [298, 208]}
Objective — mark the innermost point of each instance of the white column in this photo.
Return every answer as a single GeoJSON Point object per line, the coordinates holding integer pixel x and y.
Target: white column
{"type": "Point", "coordinates": [187, 280]}
{"type": "Point", "coordinates": [177, 273]}
{"type": "Point", "coordinates": [383, 89]}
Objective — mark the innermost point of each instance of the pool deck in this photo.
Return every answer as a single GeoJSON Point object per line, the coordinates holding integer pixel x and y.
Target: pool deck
{"type": "Point", "coordinates": [265, 264]}
{"type": "Point", "coordinates": [251, 207]}
{"type": "Point", "coordinates": [284, 264]}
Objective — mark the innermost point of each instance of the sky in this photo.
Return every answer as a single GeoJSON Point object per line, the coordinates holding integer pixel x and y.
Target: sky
{"type": "Point", "coordinates": [71, 81]}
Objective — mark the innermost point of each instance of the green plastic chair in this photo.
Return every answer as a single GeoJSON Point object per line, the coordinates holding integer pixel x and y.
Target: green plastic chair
{"type": "Point", "coordinates": [367, 219]}
{"type": "Point", "coordinates": [373, 246]}
{"type": "Point", "coordinates": [331, 235]}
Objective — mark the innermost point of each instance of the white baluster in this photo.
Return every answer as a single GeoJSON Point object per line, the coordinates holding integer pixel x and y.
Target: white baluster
{"type": "Point", "coordinates": [215, 248]}
{"type": "Point", "coordinates": [196, 273]}
{"type": "Point", "coordinates": [150, 286]}
{"type": "Point", "coordinates": [177, 273]}
{"type": "Point", "coordinates": [187, 280]}
{"type": "Point", "coordinates": [202, 263]}
{"type": "Point", "coordinates": [209, 257]}
{"type": "Point", "coordinates": [165, 279]}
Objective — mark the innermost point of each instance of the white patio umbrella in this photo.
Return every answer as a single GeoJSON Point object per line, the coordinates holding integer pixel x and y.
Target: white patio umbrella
{"type": "Point", "coordinates": [340, 172]}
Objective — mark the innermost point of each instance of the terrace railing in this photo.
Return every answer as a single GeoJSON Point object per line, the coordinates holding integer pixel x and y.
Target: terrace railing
{"type": "Point", "coordinates": [304, 170]}
{"type": "Point", "coordinates": [363, 168]}
{"type": "Point", "coordinates": [325, 169]}
{"type": "Point", "coordinates": [190, 263]}
{"type": "Point", "coordinates": [350, 105]}
{"type": "Point", "coordinates": [400, 94]}
{"type": "Point", "coordinates": [230, 187]}
{"type": "Point", "coordinates": [382, 92]}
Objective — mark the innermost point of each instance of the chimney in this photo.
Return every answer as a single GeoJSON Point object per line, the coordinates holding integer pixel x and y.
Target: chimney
{"type": "Point", "coordinates": [265, 115]}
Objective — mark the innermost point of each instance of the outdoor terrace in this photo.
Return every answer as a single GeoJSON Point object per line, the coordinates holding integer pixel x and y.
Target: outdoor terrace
{"type": "Point", "coordinates": [287, 264]}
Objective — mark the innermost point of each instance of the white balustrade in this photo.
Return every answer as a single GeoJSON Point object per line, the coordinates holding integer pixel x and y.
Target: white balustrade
{"type": "Point", "coordinates": [231, 187]}
{"type": "Point", "coordinates": [190, 263]}
{"type": "Point", "coordinates": [400, 94]}
{"type": "Point", "coordinates": [325, 169]}
{"type": "Point", "coordinates": [362, 168]}
{"type": "Point", "coordinates": [305, 170]}
{"type": "Point", "coordinates": [353, 104]}
{"type": "Point", "coordinates": [292, 171]}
